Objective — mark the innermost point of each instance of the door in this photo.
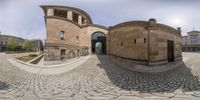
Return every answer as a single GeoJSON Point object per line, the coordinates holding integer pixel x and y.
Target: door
{"type": "Point", "coordinates": [170, 51]}
{"type": "Point", "coordinates": [62, 54]}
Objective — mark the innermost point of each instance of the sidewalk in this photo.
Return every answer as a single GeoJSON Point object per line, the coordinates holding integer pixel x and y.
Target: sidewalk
{"type": "Point", "coordinates": [47, 70]}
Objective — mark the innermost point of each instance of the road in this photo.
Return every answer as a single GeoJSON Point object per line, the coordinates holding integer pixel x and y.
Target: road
{"type": "Point", "coordinates": [100, 78]}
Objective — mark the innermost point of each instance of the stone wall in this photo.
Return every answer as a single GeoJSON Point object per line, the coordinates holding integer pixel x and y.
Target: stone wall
{"type": "Point", "coordinates": [53, 52]}
{"type": "Point", "coordinates": [128, 42]}
{"type": "Point", "coordinates": [144, 41]}
{"type": "Point", "coordinates": [86, 33]}
{"type": "Point", "coordinates": [158, 45]}
{"type": "Point", "coordinates": [55, 26]}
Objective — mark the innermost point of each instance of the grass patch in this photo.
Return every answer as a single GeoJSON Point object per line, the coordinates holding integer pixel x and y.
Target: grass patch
{"type": "Point", "coordinates": [27, 58]}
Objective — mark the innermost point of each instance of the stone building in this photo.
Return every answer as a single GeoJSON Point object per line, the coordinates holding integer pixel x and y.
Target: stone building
{"type": "Point", "coordinates": [145, 41]}
{"type": "Point", "coordinates": [191, 42]}
{"type": "Point", "coordinates": [37, 45]}
{"type": "Point", "coordinates": [4, 39]}
{"type": "Point", "coordinates": [71, 33]}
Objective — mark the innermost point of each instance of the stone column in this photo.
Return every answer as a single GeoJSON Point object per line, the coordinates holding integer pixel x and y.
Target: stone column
{"type": "Point", "coordinates": [84, 21]}
{"type": "Point", "coordinates": [50, 12]}
{"type": "Point", "coordinates": [80, 20]}
{"type": "Point", "coordinates": [69, 15]}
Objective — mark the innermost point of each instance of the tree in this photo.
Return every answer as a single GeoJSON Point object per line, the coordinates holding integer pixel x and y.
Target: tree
{"type": "Point", "coordinates": [11, 44]}
{"type": "Point", "coordinates": [27, 45]}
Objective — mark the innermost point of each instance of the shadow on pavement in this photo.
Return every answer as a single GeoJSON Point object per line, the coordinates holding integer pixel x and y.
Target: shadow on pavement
{"type": "Point", "coordinates": [3, 86]}
{"type": "Point", "coordinates": [180, 77]}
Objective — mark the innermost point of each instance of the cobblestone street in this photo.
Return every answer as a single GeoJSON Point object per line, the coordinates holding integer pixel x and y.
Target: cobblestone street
{"type": "Point", "coordinates": [100, 78]}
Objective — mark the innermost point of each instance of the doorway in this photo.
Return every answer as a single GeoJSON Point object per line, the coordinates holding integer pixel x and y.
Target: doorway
{"type": "Point", "coordinates": [170, 50]}
{"type": "Point", "coordinates": [62, 54]}
{"type": "Point", "coordinates": [98, 43]}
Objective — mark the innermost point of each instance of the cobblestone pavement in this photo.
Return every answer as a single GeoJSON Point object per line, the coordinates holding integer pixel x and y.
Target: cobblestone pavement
{"type": "Point", "coordinates": [99, 78]}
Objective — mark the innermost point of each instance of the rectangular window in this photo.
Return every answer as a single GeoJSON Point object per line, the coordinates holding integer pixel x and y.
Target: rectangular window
{"type": "Point", "coordinates": [135, 41]}
{"type": "Point", "coordinates": [121, 43]}
{"type": "Point", "coordinates": [75, 17]}
{"type": "Point", "coordinates": [144, 40]}
{"type": "Point", "coordinates": [60, 13]}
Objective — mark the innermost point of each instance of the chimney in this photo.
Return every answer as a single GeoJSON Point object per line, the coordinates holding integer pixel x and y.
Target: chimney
{"type": "Point", "coordinates": [152, 22]}
{"type": "Point", "coordinates": [179, 29]}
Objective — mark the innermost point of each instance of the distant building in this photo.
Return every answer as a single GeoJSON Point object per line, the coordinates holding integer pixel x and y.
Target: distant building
{"type": "Point", "coordinates": [37, 45]}
{"type": "Point", "coordinates": [191, 42]}
{"type": "Point", "coordinates": [185, 40]}
{"type": "Point", "coordinates": [4, 39]}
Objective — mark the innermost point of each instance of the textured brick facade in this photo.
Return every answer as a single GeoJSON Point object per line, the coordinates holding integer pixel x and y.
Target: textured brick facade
{"type": "Point", "coordinates": [143, 41]}
{"type": "Point", "coordinates": [77, 33]}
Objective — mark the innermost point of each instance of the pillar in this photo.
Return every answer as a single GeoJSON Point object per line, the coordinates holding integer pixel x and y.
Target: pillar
{"type": "Point", "coordinates": [84, 21]}
{"type": "Point", "coordinates": [50, 12]}
{"type": "Point", "coordinates": [69, 15]}
{"type": "Point", "coordinates": [80, 20]}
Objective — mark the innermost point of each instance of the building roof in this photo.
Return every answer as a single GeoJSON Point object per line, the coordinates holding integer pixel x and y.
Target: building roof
{"type": "Point", "coordinates": [184, 36]}
{"type": "Point", "coordinates": [44, 7]}
{"type": "Point", "coordinates": [7, 36]}
{"type": "Point", "coordinates": [193, 31]}
{"type": "Point", "coordinates": [145, 24]}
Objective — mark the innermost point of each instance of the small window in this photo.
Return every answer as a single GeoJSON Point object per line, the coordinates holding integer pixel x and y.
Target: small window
{"type": "Point", "coordinates": [121, 43]}
{"type": "Point", "coordinates": [145, 40]}
{"type": "Point", "coordinates": [62, 33]}
{"type": "Point", "coordinates": [135, 41]}
{"type": "Point", "coordinates": [77, 37]}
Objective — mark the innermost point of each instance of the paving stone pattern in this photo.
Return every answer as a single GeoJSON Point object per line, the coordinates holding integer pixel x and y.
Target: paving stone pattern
{"type": "Point", "coordinates": [99, 78]}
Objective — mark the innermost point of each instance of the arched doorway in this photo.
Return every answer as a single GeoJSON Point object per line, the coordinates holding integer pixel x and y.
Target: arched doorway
{"type": "Point", "coordinates": [98, 43]}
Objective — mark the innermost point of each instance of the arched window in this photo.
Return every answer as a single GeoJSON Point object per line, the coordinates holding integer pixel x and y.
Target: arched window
{"type": "Point", "coordinates": [62, 34]}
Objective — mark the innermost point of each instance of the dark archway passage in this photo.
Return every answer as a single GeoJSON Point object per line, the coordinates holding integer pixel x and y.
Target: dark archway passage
{"type": "Point", "coordinates": [98, 37]}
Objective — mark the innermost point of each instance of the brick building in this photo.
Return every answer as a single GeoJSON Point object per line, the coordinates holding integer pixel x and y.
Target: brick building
{"type": "Point", "coordinates": [71, 33]}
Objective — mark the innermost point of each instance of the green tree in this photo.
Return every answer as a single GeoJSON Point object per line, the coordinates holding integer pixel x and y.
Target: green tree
{"type": "Point", "coordinates": [27, 45]}
{"type": "Point", "coordinates": [11, 44]}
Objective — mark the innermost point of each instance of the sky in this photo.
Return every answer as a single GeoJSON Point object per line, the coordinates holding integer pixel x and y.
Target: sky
{"type": "Point", "coordinates": [25, 18]}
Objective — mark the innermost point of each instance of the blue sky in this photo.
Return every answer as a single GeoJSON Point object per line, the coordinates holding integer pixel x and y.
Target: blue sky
{"type": "Point", "coordinates": [24, 18]}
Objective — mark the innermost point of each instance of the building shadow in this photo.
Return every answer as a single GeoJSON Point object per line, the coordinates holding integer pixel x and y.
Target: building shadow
{"type": "Point", "coordinates": [3, 86]}
{"type": "Point", "coordinates": [169, 81]}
